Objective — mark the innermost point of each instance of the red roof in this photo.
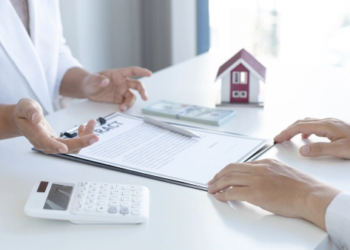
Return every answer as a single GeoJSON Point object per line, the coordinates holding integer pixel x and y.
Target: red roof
{"type": "Point", "coordinates": [248, 58]}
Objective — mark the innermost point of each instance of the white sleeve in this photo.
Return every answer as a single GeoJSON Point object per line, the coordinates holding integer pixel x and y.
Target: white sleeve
{"type": "Point", "coordinates": [338, 220]}
{"type": "Point", "coordinates": [65, 61]}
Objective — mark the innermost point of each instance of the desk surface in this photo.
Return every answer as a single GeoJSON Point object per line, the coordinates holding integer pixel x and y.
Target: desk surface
{"type": "Point", "coordinates": [183, 218]}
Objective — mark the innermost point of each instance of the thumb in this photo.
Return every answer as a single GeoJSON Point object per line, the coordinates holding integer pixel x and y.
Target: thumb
{"type": "Point", "coordinates": [30, 110]}
{"type": "Point", "coordinates": [318, 149]}
{"type": "Point", "coordinates": [98, 80]}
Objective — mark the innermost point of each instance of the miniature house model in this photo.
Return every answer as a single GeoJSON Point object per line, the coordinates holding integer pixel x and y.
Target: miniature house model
{"type": "Point", "coordinates": [240, 78]}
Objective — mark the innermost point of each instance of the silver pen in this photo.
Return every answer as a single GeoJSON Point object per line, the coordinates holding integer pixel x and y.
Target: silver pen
{"type": "Point", "coordinates": [169, 127]}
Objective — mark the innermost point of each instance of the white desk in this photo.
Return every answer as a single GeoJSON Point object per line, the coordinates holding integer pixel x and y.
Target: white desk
{"type": "Point", "coordinates": [182, 218]}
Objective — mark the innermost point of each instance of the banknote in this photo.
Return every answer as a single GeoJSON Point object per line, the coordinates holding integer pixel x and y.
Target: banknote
{"type": "Point", "coordinates": [189, 112]}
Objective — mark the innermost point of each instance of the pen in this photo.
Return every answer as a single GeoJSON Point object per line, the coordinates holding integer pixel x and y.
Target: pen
{"type": "Point", "coordinates": [169, 127]}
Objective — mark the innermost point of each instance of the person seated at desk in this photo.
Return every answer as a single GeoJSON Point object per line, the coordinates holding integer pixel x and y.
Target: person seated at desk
{"type": "Point", "coordinates": [285, 191]}
{"type": "Point", "coordinates": [36, 63]}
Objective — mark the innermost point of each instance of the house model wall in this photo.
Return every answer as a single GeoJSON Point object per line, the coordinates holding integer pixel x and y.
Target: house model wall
{"type": "Point", "coordinates": [240, 78]}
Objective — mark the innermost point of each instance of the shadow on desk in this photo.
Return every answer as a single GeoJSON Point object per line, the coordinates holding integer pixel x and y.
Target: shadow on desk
{"type": "Point", "coordinates": [256, 224]}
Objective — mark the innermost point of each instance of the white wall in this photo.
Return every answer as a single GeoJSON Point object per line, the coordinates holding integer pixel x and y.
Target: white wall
{"type": "Point", "coordinates": [119, 33]}
{"type": "Point", "coordinates": [103, 33]}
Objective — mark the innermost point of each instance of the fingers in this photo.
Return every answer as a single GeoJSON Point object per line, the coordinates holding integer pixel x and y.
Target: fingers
{"type": "Point", "coordinates": [135, 72]}
{"type": "Point", "coordinates": [137, 85]}
{"type": "Point", "coordinates": [307, 128]}
{"type": "Point", "coordinates": [228, 180]}
{"type": "Point", "coordinates": [78, 143]}
{"type": "Point", "coordinates": [236, 167]}
{"type": "Point", "coordinates": [129, 99]}
{"type": "Point", "coordinates": [88, 129]}
{"type": "Point", "coordinates": [29, 110]}
{"type": "Point", "coordinates": [50, 145]}
{"type": "Point", "coordinates": [235, 193]}
{"type": "Point", "coordinates": [320, 149]}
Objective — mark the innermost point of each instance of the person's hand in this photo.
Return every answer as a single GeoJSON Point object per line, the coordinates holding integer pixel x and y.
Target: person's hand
{"type": "Point", "coordinates": [274, 187]}
{"type": "Point", "coordinates": [114, 86]}
{"type": "Point", "coordinates": [338, 132]}
{"type": "Point", "coordinates": [30, 122]}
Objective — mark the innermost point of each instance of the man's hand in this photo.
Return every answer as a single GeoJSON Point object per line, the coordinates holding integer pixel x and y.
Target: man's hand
{"type": "Point", "coordinates": [274, 187]}
{"type": "Point", "coordinates": [29, 120]}
{"type": "Point", "coordinates": [338, 132]}
{"type": "Point", "coordinates": [114, 86]}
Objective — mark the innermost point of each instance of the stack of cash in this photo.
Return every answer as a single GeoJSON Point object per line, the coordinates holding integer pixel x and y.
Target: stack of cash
{"type": "Point", "coordinates": [189, 112]}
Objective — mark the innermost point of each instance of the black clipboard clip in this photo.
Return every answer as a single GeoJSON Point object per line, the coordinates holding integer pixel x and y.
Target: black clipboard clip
{"type": "Point", "coordinates": [69, 135]}
{"type": "Point", "coordinates": [101, 120]}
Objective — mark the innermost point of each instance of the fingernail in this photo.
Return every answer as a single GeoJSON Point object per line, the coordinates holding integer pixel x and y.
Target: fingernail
{"type": "Point", "coordinates": [123, 108]}
{"type": "Point", "coordinates": [305, 150]}
{"type": "Point", "coordinates": [105, 82]}
{"type": "Point", "coordinates": [61, 150]}
{"type": "Point", "coordinates": [210, 182]}
{"type": "Point", "coordinates": [217, 195]}
{"type": "Point", "coordinates": [93, 140]}
{"type": "Point", "coordinates": [34, 115]}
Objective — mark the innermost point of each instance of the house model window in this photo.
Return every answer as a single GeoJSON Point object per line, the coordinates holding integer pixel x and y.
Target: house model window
{"type": "Point", "coordinates": [239, 77]}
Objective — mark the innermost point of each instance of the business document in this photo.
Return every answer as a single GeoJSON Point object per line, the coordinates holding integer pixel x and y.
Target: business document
{"type": "Point", "coordinates": [128, 142]}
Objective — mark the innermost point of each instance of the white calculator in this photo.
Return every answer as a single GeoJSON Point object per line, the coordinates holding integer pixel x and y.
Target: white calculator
{"type": "Point", "coordinates": [89, 202]}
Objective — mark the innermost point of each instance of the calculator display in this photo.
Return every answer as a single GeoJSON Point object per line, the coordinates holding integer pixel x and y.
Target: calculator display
{"type": "Point", "coordinates": [58, 198]}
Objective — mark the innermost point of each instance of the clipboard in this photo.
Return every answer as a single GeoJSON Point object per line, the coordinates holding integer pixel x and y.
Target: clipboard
{"type": "Point", "coordinates": [118, 167]}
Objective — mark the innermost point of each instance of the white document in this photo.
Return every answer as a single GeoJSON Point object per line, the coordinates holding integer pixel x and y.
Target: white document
{"type": "Point", "coordinates": [129, 143]}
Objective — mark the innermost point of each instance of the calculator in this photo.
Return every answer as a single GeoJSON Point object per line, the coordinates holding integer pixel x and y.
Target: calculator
{"type": "Point", "coordinates": [89, 202]}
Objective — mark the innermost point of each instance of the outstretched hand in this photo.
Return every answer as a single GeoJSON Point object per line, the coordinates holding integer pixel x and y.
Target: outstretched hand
{"type": "Point", "coordinates": [337, 131]}
{"type": "Point", "coordinates": [30, 122]}
{"type": "Point", "coordinates": [114, 86]}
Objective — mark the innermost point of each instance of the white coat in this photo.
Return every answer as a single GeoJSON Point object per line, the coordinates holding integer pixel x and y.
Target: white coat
{"type": "Point", "coordinates": [33, 66]}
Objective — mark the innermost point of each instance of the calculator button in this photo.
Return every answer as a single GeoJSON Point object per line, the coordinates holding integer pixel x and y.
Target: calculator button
{"type": "Point", "coordinates": [112, 209]}
{"type": "Point", "coordinates": [136, 199]}
{"type": "Point", "coordinates": [126, 192]}
{"type": "Point", "coordinates": [136, 206]}
{"type": "Point", "coordinates": [124, 210]}
{"type": "Point", "coordinates": [126, 198]}
{"type": "Point", "coordinates": [114, 203]}
{"type": "Point", "coordinates": [137, 202]}
{"type": "Point", "coordinates": [115, 197]}
{"type": "Point", "coordinates": [92, 196]}
{"type": "Point", "coordinates": [128, 187]}
{"type": "Point", "coordinates": [137, 188]}
{"type": "Point", "coordinates": [101, 209]}
{"type": "Point", "coordinates": [104, 191]}
{"type": "Point", "coordinates": [104, 196]}
{"type": "Point", "coordinates": [81, 196]}
{"type": "Point", "coordinates": [125, 204]}
{"type": "Point", "coordinates": [80, 207]}
{"type": "Point", "coordinates": [103, 203]}
{"type": "Point", "coordinates": [91, 201]}
{"type": "Point", "coordinates": [135, 211]}
{"type": "Point", "coordinates": [116, 186]}
{"type": "Point", "coordinates": [81, 201]}
{"type": "Point", "coordinates": [137, 193]}
{"type": "Point", "coordinates": [94, 185]}
{"type": "Point", "coordinates": [90, 208]}
{"type": "Point", "coordinates": [116, 191]}
{"type": "Point", "coordinates": [105, 185]}
{"type": "Point", "coordinates": [93, 190]}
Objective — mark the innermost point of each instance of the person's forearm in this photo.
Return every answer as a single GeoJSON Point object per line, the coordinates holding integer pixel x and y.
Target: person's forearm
{"type": "Point", "coordinates": [316, 202]}
{"type": "Point", "coordinates": [72, 83]}
{"type": "Point", "coordinates": [8, 128]}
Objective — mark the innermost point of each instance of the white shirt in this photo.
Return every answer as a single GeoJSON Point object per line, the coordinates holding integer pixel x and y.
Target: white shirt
{"type": "Point", "coordinates": [33, 66]}
{"type": "Point", "coordinates": [338, 220]}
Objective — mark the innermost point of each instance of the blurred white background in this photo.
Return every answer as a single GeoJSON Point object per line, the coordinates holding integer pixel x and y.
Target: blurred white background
{"type": "Point", "coordinates": [159, 33]}
{"type": "Point", "coordinates": [300, 31]}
